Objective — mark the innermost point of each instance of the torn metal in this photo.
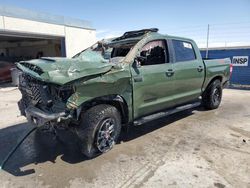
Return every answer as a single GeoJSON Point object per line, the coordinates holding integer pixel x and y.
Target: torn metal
{"type": "Point", "coordinates": [59, 87]}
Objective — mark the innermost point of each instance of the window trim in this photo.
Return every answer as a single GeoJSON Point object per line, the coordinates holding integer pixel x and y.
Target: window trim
{"type": "Point", "coordinates": [167, 52]}
{"type": "Point", "coordinates": [173, 50]}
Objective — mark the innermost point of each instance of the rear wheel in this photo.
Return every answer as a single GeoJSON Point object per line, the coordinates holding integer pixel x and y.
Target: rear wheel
{"type": "Point", "coordinates": [211, 98]}
{"type": "Point", "coordinates": [99, 129]}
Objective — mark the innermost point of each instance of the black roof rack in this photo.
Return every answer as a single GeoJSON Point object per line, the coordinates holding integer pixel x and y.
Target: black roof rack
{"type": "Point", "coordinates": [137, 33]}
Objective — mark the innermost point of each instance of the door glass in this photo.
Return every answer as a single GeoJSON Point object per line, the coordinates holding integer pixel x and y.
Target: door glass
{"type": "Point", "coordinates": [154, 53]}
{"type": "Point", "coordinates": [183, 51]}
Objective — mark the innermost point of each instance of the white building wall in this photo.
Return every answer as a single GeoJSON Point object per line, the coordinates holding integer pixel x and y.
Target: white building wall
{"type": "Point", "coordinates": [1, 22]}
{"type": "Point", "coordinates": [22, 25]}
{"type": "Point", "coordinates": [77, 39]}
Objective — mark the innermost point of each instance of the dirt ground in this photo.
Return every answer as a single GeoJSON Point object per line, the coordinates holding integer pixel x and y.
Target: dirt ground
{"type": "Point", "coordinates": [195, 148]}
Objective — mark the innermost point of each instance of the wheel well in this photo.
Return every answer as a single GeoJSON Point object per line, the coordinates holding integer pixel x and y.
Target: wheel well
{"type": "Point", "coordinates": [211, 81]}
{"type": "Point", "coordinates": [114, 100]}
{"type": "Point", "coordinates": [215, 78]}
{"type": "Point", "coordinates": [123, 109]}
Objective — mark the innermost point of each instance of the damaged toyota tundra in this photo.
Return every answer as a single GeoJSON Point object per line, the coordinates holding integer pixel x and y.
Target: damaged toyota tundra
{"type": "Point", "coordinates": [129, 80]}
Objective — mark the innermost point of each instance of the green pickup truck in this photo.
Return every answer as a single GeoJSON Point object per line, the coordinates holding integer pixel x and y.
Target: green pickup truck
{"type": "Point", "coordinates": [129, 80]}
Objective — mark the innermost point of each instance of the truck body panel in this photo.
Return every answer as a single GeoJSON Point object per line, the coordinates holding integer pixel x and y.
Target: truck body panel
{"type": "Point", "coordinates": [216, 68]}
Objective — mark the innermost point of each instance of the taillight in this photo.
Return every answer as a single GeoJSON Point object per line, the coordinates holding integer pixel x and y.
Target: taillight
{"type": "Point", "coordinates": [231, 69]}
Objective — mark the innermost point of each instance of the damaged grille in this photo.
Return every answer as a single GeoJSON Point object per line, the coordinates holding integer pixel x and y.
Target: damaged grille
{"type": "Point", "coordinates": [34, 68]}
{"type": "Point", "coordinates": [34, 93]}
{"type": "Point", "coordinates": [48, 97]}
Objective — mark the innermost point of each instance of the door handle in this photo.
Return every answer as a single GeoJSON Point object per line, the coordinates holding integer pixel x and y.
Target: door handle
{"type": "Point", "coordinates": [200, 69]}
{"type": "Point", "coordinates": [170, 72]}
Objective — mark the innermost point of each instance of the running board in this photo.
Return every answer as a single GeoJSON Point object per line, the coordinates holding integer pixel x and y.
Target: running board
{"type": "Point", "coordinates": [165, 113]}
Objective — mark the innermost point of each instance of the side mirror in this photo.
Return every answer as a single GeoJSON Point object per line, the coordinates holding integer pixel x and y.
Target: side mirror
{"type": "Point", "coordinates": [139, 60]}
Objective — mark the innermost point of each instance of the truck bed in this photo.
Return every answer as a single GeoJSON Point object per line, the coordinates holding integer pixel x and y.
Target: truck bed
{"type": "Point", "coordinates": [216, 67]}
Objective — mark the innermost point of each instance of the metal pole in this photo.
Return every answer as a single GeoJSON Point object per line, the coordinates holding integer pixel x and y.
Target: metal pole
{"type": "Point", "coordinates": [207, 40]}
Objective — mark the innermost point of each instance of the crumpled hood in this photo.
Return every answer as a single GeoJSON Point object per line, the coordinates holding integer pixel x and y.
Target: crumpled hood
{"type": "Point", "coordinates": [64, 70]}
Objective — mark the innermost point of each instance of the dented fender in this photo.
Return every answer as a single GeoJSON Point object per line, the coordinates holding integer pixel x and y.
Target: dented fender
{"type": "Point", "coordinates": [116, 82]}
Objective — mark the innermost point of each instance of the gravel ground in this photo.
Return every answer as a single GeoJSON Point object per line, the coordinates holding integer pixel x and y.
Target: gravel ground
{"type": "Point", "coordinates": [195, 148]}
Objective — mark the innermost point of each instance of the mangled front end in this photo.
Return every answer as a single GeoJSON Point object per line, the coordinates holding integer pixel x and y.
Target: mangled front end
{"type": "Point", "coordinates": [44, 103]}
{"type": "Point", "coordinates": [47, 83]}
{"type": "Point", "coordinates": [53, 90]}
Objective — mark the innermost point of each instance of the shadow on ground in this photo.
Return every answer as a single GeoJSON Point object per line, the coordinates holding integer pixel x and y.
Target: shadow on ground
{"type": "Point", "coordinates": [36, 148]}
{"type": "Point", "coordinates": [39, 148]}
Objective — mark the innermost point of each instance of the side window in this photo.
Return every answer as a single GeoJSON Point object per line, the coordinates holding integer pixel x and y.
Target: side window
{"type": "Point", "coordinates": [154, 53]}
{"type": "Point", "coordinates": [183, 51]}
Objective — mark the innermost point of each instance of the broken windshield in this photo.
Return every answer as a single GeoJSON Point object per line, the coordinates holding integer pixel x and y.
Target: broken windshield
{"type": "Point", "coordinates": [108, 50]}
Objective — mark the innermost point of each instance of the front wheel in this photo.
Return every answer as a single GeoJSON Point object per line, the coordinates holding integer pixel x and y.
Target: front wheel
{"type": "Point", "coordinates": [211, 98]}
{"type": "Point", "coordinates": [99, 129]}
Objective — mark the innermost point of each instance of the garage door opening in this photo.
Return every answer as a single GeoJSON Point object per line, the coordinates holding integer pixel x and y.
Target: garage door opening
{"type": "Point", "coordinates": [20, 48]}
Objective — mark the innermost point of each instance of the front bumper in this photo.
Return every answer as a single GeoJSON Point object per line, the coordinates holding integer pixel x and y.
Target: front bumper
{"type": "Point", "coordinates": [39, 118]}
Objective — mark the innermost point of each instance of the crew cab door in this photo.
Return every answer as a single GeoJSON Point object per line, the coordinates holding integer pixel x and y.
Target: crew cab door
{"type": "Point", "coordinates": [188, 70]}
{"type": "Point", "coordinates": [152, 79]}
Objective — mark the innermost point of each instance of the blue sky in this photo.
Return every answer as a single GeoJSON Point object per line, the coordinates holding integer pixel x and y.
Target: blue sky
{"type": "Point", "coordinates": [113, 17]}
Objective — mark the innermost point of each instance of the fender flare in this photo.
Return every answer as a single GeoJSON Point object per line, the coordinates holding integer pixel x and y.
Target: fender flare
{"type": "Point", "coordinates": [115, 100]}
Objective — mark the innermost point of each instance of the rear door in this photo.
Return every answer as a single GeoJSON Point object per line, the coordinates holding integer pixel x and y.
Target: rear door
{"type": "Point", "coordinates": [152, 81]}
{"type": "Point", "coordinates": [188, 71]}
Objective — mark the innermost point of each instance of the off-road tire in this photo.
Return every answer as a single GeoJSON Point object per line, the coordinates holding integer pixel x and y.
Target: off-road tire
{"type": "Point", "coordinates": [91, 121]}
{"type": "Point", "coordinates": [211, 98]}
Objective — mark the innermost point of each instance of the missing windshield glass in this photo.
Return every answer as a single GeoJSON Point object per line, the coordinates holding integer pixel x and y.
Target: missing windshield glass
{"type": "Point", "coordinates": [110, 50]}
